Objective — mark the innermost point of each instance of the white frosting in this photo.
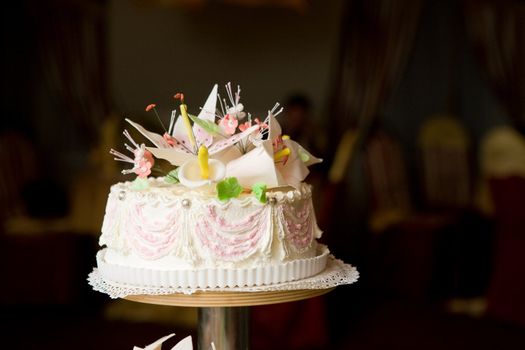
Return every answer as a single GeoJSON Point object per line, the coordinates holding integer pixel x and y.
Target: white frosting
{"type": "Point", "coordinates": [166, 227]}
{"type": "Point", "coordinates": [213, 277]}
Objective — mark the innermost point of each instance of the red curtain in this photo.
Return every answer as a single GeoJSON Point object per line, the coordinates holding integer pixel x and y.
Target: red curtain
{"type": "Point", "coordinates": [496, 31]}
{"type": "Point", "coordinates": [376, 41]}
{"type": "Point", "coordinates": [72, 54]}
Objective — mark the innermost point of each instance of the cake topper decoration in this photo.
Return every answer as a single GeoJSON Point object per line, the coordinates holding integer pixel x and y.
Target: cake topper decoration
{"type": "Point", "coordinates": [228, 188]}
{"type": "Point", "coordinates": [220, 144]}
{"type": "Point", "coordinates": [142, 160]}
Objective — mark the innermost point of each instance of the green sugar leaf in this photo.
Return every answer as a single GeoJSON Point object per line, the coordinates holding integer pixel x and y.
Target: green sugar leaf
{"type": "Point", "coordinates": [228, 188]}
{"type": "Point", "coordinates": [172, 177]}
{"type": "Point", "coordinates": [259, 191]}
{"type": "Point", "coordinates": [208, 126]}
{"type": "Point", "coordinates": [139, 184]}
{"type": "Point", "coordinates": [304, 156]}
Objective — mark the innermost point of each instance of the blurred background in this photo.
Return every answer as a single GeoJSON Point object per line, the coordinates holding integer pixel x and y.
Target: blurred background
{"type": "Point", "coordinates": [417, 107]}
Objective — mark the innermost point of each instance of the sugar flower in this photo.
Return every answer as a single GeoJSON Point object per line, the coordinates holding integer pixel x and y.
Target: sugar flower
{"type": "Point", "coordinates": [202, 170]}
{"type": "Point", "coordinates": [142, 158]}
{"type": "Point", "coordinates": [229, 123]}
{"type": "Point", "coordinates": [150, 107]}
{"type": "Point", "coordinates": [245, 125]}
{"type": "Point", "coordinates": [198, 146]}
{"type": "Point", "coordinates": [263, 125]}
{"type": "Point", "coordinates": [236, 109]}
{"type": "Point", "coordinates": [216, 144]}
{"type": "Point", "coordinates": [275, 160]}
{"type": "Point", "coordinates": [176, 146]}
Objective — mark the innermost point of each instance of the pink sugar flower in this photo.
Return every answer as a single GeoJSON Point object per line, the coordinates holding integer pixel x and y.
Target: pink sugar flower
{"type": "Point", "coordinates": [278, 143]}
{"type": "Point", "coordinates": [150, 107]}
{"type": "Point", "coordinates": [179, 96]}
{"type": "Point", "coordinates": [262, 125]}
{"type": "Point", "coordinates": [169, 139]}
{"type": "Point", "coordinates": [142, 168]}
{"type": "Point", "coordinates": [245, 125]}
{"type": "Point", "coordinates": [229, 124]}
{"type": "Point", "coordinates": [143, 159]}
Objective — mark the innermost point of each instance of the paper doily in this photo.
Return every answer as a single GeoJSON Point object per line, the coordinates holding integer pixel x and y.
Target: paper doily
{"type": "Point", "coordinates": [335, 274]}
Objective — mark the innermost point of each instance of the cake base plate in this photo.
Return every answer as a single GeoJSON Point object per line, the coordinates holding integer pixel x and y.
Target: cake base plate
{"type": "Point", "coordinates": [221, 299]}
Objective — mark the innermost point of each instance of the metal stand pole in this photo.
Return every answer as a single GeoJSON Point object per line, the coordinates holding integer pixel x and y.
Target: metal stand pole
{"type": "Point", "coordinates": [226, 327]}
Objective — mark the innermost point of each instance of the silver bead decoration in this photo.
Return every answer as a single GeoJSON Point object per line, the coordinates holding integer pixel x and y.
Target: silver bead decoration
{"type": "Point", "coordinates": [186, 203]}
{"type": "Point", "coordinates": [272, 200]}
{"type": "Point", "coordinates": [122, 195]}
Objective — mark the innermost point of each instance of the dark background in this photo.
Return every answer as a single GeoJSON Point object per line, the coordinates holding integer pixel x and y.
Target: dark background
{"type": "Point", "coordinates": [432, 214]}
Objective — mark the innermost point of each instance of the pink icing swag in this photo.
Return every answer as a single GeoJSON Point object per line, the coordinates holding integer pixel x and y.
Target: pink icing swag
{"type": "Point", "coordinates": [152, 239]}
{"type": "Point", "coordinates": [232, 241]}
{"type": "Point", "coordinates": [299, 225]}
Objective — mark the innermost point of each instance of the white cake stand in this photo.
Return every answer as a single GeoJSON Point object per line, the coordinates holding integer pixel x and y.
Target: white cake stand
{"type": "Point", "coordinates": [223, 316]}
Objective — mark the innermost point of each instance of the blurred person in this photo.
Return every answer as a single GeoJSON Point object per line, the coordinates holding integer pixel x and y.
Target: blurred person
{"type": "Point", "coordinates": [298, 121]}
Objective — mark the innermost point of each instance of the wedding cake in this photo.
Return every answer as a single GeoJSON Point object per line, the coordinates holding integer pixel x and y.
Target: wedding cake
{"type": "Point", "coordinates": [233, 211]}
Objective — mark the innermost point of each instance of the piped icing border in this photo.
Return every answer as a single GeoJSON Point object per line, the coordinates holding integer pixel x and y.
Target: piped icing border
{"type": "Point", "coordinates": [161, 221]}
{"type": "Point", "coordinates": [158, 189]}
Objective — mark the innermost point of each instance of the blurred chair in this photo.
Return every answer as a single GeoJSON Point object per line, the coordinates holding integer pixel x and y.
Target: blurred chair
{"type": "Point", "coordinates": [463, 247]}
{"type": "Point", "coordinates": [503, 164]}
{"type": "Point", "coordinates": [19, 167]}
{"type": "Point", "coordinates": [401, 239]}
{"type": "Point", "coordinates": [389, 192]}
{"type": "Point", "coordinates": [444, 148]}
{"type": "Point", "coordinates": [425, 250]}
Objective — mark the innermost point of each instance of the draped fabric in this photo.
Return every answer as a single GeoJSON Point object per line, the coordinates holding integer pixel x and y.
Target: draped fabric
{"type": "Point", "coordinates": [376, 41]}
{"type": "Point", "coordinates": [377, 37]}
{"type": "Point", "coordinates": [71, 39]}
{"type": "Point", "coordinates": [505, 293]}
{"type": "Point", "coordinates": [496, 31]}
{"type": "Point", "coordinates": [19, 167]}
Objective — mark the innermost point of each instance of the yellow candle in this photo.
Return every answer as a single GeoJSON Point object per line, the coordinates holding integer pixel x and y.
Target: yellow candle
{"type": "Point", "coordinates": [281, 154]}
{"type": "Point", "coordinates": [203, 162]}
{"type": "Point", "coordinates": [187, 125]}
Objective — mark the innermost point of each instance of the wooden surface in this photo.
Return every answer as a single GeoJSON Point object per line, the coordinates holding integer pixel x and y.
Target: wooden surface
{"type": "Point", "coordinates": [228, 299]}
